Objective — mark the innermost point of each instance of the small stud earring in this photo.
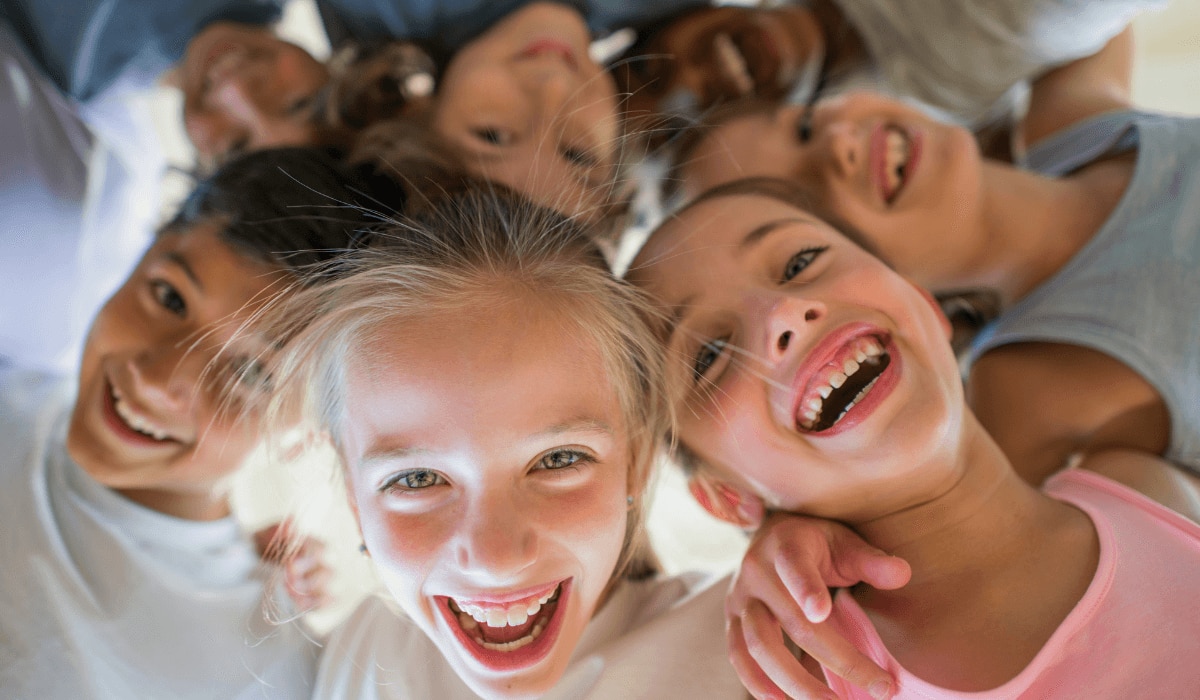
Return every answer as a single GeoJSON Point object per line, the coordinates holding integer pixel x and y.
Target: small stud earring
{"type": "Point", "coordinates": [362, 549]}
{"type": "Point", "coordinates": [629, 500]}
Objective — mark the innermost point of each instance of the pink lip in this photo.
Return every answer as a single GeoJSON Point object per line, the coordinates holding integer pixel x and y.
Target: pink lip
{"type": "Point", "coordinates": [519, 659]}
{"type": "Point", "coordinates": [123, 431]}
{"type": "Point", "coordinates": [543, 46]}
{"type": "Point", "coordinates": [825, 352]}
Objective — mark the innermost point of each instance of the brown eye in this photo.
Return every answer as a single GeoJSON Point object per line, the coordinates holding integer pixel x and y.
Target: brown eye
{"type": "Point", "coordinates": [168, 297]}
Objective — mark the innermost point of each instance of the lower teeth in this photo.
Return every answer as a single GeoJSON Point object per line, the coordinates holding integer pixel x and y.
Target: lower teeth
{"type": "Point", "coordinates": [516, 643]}
{"type": "Point", "coordinates": [859, 397]}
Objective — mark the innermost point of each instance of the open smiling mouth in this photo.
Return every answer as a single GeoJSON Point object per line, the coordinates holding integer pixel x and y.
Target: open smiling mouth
{"type": "Point", "coordinates": [896, 158]}
{"type": "Point", "coordinates": [841, 384]}
{"type": "Point", "coordinates": [507, 635]}
{"type": "Point", "coordinates": [133, 421]}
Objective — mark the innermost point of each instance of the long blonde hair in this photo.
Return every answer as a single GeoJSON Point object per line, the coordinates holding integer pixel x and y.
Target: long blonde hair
{"type": "Point", "coordinates": [477, 246]}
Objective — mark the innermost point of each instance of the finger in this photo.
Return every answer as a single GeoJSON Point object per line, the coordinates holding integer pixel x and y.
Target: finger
{"type": "Point", "coordinates": [837, 655]}
{"type": "Point", "coordinates": [854, 560]}
{"type": "Point", "coordinates": [803, 686]}
{"type": "Point", "coordinates": [803, 585]}
{"type": "Point", "coordinates": [766, 645]}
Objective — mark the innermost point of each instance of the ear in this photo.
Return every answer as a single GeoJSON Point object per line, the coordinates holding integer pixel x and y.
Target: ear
{"type": "Point", "coordinates": [947, 328]}
{"type": "Point", "coordinates": [727, 502]}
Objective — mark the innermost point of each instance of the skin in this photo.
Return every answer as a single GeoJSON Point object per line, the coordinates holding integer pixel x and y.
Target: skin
{"type": "Point", "coordinates": [950, 227]}
{"type": "Point", "coordinates": [913, 474]}
{"type": "Point", "coordinates": [246, 89]}
{"type": "Point", "coordinates": [689, 61]}
{"type": "Point", "coordinates": [151, 344]}
{"type": "Point", "coordinates": [524, 105]}
{"type": "Point", "coordinates": [481, 468]}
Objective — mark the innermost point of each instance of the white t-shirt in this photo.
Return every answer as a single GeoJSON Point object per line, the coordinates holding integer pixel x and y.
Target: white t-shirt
{"type": "Point", "coordinates": [79, 196]}
{"type": "Point", "coordinates": [654, 639]}
{"type": "Point", "coordinates": [102, 598]}
{"type": "Point", "coordinates": [964, 58]}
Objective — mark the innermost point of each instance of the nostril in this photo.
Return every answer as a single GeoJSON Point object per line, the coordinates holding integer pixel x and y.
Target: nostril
{"type": "Point", "coordinates": [810, 315]}
{"type": "Point", "coordinates": [784, 340]}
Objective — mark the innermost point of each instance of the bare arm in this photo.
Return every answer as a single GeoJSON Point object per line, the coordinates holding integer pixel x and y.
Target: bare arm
{"type": "Point", "coordinates": [1044, 402]}
{"type": "Point", "coordinates": [1162, 481]}
{"type": "Point", "coordinates": [1083, 88]}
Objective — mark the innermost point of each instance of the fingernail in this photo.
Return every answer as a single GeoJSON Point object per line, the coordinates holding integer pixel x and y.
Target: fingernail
{"type": "Point", "coordinates": [812, 609]}
{"type": "Point", "coordinates": [880, 690]}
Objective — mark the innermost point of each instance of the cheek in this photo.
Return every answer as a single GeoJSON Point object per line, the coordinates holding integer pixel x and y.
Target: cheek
{"type": "Point", "coordinates": [404, 547]}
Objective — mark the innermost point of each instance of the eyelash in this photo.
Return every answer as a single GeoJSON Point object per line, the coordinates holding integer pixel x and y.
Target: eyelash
{"type": "Point", "coordinates": [394, 482]}
{"type": "Point", "coordinates": [579, 157]}
{"type": "Point", "coordinates": [168, 297]}
{"type": "Point", "coordinates": [491, 135]}
{"type": "Point", "coordinates": [576, 456]}
{"type": "Point", "coordinates": [707, 356]}
{"type": "Point", "coordinates": [807, 256]}
{"type": "Point", "coordinates": [402, 482]}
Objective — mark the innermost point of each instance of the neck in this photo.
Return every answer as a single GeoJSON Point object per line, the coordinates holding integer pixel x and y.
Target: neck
{"type": "Point", "coordinates": [185, 505]}
{"type": "Point", "coordinates": [1032, 225]}
{"type": "Point", "coordinates": [975, 525]}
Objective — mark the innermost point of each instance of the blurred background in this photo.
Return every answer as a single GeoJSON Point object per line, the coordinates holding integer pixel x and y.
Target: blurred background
{"type": "Point", "coordinates": [1166, 78]}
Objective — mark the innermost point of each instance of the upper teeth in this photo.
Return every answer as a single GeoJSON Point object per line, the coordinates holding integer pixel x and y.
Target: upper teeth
{"type": "Point", "coordinates": [504, 615]}
{"type": "Point", "coordinates": [895, 160]}
{"type": "Point", "coordinates": [136, 421]}
{"type": "Point", "coordinates": [864, 349]}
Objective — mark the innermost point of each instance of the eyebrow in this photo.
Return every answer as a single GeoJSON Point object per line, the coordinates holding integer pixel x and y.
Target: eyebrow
{"type": "Point", "coordinates": [187, 268]}
{"type": "Point", "coordinates": [755, 237]}
{"type": "Point", "coordinates": [573, 425]}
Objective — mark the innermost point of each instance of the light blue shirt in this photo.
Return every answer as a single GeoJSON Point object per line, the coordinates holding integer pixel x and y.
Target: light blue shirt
{"type": "Point", "coordinates": [1133, 291]}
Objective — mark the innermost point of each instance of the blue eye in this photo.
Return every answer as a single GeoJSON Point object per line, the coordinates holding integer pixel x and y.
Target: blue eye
{"type": "Point", "coordinates": [800, 261]}
{"type": "Point", "coordinates": [168, 297]}
{"type": "Point", "coordinates": [707, 356]}
{"type": "Point", "coordinates": [562, 458]}
{"type": "Point", "coordinates": [412, 480]}
{"type": "Point", "coordinates": [251, 373]}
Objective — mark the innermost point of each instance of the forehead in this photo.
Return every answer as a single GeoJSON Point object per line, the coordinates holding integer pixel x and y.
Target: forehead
{"type": "Point", "coordinates": [722, 229]}
{"type": "Point", "coordinates": [483, 375]}
{"type": "Point", "coordinates": [221, 271]}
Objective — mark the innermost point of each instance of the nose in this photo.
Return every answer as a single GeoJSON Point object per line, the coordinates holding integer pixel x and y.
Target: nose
{"type": "Point", "coordinates": [789, 319]}
{"type": "Point", "coordinates": [168, 376]}
{"type": "Point", "coordinates": [497, 539]}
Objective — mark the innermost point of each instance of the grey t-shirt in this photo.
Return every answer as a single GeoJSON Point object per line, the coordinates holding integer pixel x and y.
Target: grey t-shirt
{"type": "Point", "coordinates": [1133, 291]}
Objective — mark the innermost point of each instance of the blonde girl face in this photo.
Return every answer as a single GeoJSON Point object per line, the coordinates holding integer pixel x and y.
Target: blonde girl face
{"type": "Point", "coordinates": [489, 468]}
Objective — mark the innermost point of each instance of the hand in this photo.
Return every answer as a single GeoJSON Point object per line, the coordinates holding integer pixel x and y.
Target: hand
{"type": "Point", "coordinates": [784, 583]}
{"type": "Point", "coordinates": [305, 574]}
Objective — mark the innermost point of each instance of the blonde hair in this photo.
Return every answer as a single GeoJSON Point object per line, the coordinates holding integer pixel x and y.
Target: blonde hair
{"type": "Point", "coordinates": [477, 246]}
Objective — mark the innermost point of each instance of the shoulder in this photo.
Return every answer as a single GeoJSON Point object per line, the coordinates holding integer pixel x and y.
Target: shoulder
{"type": "Point", "coordinates": [672, 646]}
{"type": "Point", "coordinates": [349, 665]}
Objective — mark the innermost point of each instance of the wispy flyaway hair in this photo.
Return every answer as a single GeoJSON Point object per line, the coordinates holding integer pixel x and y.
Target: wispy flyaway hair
{"type": "Point", "coordinates": [476, 249]}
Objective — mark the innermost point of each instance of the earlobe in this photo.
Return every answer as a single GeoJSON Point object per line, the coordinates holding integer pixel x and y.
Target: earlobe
{"type": "Point", "coordinates": [726, 502]}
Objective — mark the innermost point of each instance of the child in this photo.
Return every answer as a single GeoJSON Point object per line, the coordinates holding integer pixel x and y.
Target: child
{"type": "Point", "coordinates": [968, 60]}
{"type": "Point", "coordinates": [1089, 255]}
{"type": "Point", "coordinates": [495, 395]}
{"type": "Point", "coordinates": [126, 575]}
{"type": "Point", "coordinates": [809, 377]}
